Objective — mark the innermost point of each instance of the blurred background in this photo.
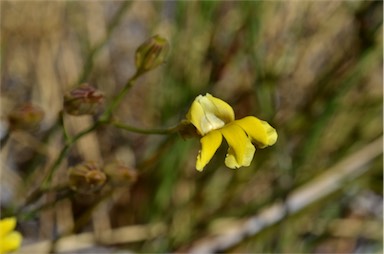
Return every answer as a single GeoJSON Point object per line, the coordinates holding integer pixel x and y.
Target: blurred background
{"type": "Point", "coordinates": [312, 69]}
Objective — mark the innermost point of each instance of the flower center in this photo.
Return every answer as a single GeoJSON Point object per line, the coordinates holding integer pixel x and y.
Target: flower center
{"type": "Point", "coordinates": [211, 122]}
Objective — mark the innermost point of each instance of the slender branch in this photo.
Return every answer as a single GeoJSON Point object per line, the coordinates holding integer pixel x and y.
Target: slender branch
{"type": "Point", "coordinates": [61, 122]}
{"type": "Point", "coordinates": [64, 152]}
{"type": "Point", "coordinates": [59, 188]}
{"type": "Point", "coordinates": [118, 98]}
{"type": "Point", "coordinates": [35, 195]}
{"type": "Point", "coordinates": [104, 119]}
{"type": "Point", "coordinates": [111, 27]}
{"type": "Point", "coordinates": [145, 131]}
{"type": "Point", "coordinates": [69, 142]}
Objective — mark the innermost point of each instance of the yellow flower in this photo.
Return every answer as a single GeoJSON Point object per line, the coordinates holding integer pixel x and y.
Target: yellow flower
{"type": "Point", "coordinates": [9, 240]}
{"type": "Point", "coordinates": [214, 118]}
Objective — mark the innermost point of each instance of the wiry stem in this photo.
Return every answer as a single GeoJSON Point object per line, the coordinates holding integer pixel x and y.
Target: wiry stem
{"type": "Point", "coordinates": [111, 27]}
{"type": "Point", "coordinates": [145, 131]}
{"type": "Point", "coordinates": [64, 153]}
{"type": "Point", "coordinates": [117, 100]}
{"type": "Point", "coordinates": [104, 119]}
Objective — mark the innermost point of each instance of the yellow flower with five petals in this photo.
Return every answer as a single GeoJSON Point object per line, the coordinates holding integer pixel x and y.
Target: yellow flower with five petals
{"type": "Point", "coordinates": [9, 239]}
{"type": "Point", "coordinates": [215, 119]}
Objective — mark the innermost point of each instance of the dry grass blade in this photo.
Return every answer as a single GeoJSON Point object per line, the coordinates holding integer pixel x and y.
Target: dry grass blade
{"type": "Point", "coordinates": [83, 241]}
{"type": "Point", "coordinates": [330, 181]}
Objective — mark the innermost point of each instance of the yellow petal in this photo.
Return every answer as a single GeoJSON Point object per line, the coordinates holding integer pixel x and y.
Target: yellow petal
{"type": "Point", "coordinates": [10, 242]}
{"type": "Point", "coordinates": [209, 145]}
{"type": "Point", "coordinates": [221, 109]}
{"type": "Point", "coordinates": [258, 130]}
{"type": "Point", "coordinates": [195, 114]}
{"type": "Point", "coordinates": [208, 113]}
{"type": "Point", "coordinates": [241, 150]}
{"type": "Point", "coordinates": [7, 225]}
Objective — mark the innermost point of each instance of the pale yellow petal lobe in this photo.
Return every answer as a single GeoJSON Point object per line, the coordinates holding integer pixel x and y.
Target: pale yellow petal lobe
{"type": "Point", "coordinates": [258, 130]}
{"type": "Point", "coordinates": [208, 113]}
{"type": "Point", "coordinates": [222, 109]}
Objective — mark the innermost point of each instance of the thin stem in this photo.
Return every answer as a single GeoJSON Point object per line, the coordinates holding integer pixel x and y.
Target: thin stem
{"type": "Point", "coordinates": [119, 97]}
{"type": "Point", "coordinates": [58, 188]}
{"type": "Point", "coordinates": [65, 151]}
{"type": "Point", "coordinates": [111, 27]}
{"type": "Point", "coordinates": [35, 195]}
{"type": "Point", "coordinates": [145, 131]}
{"type": "Point", "coordinates": [104, 119]}
{"type": "Point", "coordinates": [61, 122]}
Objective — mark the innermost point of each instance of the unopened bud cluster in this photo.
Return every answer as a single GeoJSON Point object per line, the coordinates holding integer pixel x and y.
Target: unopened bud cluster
{"type": "Point", "coordinates": [151, 54]}
{"type": "Point", "coordinates": [83, 100]}
{"type": "Point", "coordinates": [25, 117]}
{"type": "Point", "coordinates": [119, 174]}
{"type": "Point", "coordinates": [86, 178]}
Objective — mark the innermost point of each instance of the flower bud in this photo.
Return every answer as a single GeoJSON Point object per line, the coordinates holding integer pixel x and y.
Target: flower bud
{"type": "Point", "coordinates": [119, 174]}
{"type": "Point", "coordinates": [151, 53]}
{"type": "Point", "coordinates": [83, 100]}
{"type": "Point", "coordinates": [25, 117]}
{"type": "Point", "coordinates": [86, 178]}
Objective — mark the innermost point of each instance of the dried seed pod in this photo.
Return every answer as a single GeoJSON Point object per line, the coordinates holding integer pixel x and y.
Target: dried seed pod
{"type": "Point", "coordinates": [86, 178]}
{"type": "Point", "coordinates": [25, 117]}
{"type": "Point", "coordinates": [83, 100]}
{"type": "Point", "coordinates": [119, 174]}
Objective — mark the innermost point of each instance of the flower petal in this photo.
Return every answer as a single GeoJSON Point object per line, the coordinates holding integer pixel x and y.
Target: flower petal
{"type": "Point", "coordinates": [241, 150]}
{"type": "Point", "coordinates": [209, 145]}
{"type": "Point", "coordinates": [7, 225]}
{"type": "Point", "coordinates": [10, 242]}
{"type": "Point", "coordinates": [221, 109]}
{"type": "Point", "coordinates": [258, 130]}
{"type": "Point", "coordinates": [208, 113]}
{"type": "Point", "coordinates": [195, 115]}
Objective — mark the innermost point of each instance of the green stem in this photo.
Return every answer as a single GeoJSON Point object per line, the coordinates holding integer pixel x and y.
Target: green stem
{"type": "Point", "coordinates": [35, 195]}
{"type": "Point", "coordinates": [111, 27]}
{"type": "Point", "coordinates": [145, 131]}
{"type": "Point", "coordinates": [35, 210]}
{"type": "Point", "coordinates": [61, 122]}
{"type": "Point", "coordinates": [104, 119]}
{"type": "Point", "coordinates": [117, 100]}
{"type": "Point", "coordinates": [64, 153]}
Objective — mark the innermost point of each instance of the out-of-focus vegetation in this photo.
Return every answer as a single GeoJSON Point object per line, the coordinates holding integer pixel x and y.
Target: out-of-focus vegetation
{"type": "Point", "coordinates": [313, 69]}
